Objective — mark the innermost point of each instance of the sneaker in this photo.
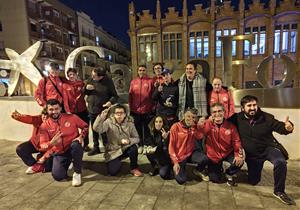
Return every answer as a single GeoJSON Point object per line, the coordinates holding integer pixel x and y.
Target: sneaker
{"type": "Point", "coordinates": [36, 168]}
{"type": "Point", "coordinates": [231, 183]}
{"type": "Point", "coordinates": [284, 198]}
{"type": "Point", "coordinates": [76, 181]}
{"type": "Point", "coordinates": [140, 149]}
{"type": "Point", "coordinates": [154, 171]}
{"type": "Point", "coordinates": [202, 174]}
{"type": "Point", "coordinates": [94, 151]}
{"type": "Point", "coordinates": [29, 170]}
{"type": "Point", "coordinates": [136, 172]}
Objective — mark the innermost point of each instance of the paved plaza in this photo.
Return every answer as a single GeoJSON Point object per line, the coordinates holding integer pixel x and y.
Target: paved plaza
{"type": "Point", "coordinates": [99, 191]}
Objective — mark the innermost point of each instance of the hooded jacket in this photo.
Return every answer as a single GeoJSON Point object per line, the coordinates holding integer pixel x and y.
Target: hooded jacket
{"type": "Point", "coordinates": [115, 133]}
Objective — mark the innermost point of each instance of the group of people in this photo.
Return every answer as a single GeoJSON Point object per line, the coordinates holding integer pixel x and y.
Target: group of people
{"type": "Point", "coordinates": [172, 122]}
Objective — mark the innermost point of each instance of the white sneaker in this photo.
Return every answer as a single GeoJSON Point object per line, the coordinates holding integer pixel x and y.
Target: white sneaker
{"type": "Point", "coordinates": [76, 181]}
{"type": "Point", "coordinates": [29, 170]}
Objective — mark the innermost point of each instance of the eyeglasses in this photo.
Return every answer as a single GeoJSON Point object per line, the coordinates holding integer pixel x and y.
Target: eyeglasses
{"type": "Point", "coordinates": [119, 113]}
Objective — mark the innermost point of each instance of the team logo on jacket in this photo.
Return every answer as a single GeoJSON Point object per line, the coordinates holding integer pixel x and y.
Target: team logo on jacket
{"type": "Point", "coordinates": [227, 132]}
{"type": "Point", "coordinates": [67, 124]}
{"type": "Point", "coordinates": [225, 98]}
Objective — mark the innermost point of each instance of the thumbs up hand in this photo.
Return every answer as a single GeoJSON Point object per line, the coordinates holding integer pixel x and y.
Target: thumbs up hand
{"type": "Point", "coordinates": [288, 125]}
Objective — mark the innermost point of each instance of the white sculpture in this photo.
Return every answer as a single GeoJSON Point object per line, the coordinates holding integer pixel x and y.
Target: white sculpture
{"type": "Point", "coordinates": [22, 64]}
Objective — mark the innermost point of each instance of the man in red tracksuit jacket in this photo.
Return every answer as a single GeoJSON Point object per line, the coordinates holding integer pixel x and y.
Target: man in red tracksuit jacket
{"type": "Point", "coordinates": [141, 103]}
{"type": "Point", "coordinates": [221, 95]}
{"type": "Point", "coordinates": [25, 150]}
{"type": "Point", "coordinates": [183, 135]}
{"type": "Point", "coordinates": [222, 144]}
{"type": "Point", "coordinates": [60, 134]}
{"type": "Point", "coordinates": [46, 88]}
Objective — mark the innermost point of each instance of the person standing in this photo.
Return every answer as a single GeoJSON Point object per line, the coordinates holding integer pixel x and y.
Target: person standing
{"type": "Point", "coordinates": [50, 87]}
{"type": "Point", "coordinates": [75, 102]}
{"type": "Point", "coordinates": [256, 129]}
{"type": "Point", "coordinates": [101, 94]}
{"type": "Point", "coordinates": [192, 91]}
{"type": "Point", "coordinates": [141, 103]}
{"type": "Point", "coordinates": [221, 95]}
{"type": "Point", "coordinates": [166, 96]}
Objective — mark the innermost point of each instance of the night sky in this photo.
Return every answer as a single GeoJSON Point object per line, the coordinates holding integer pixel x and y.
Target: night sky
{"type": "Point", "coordinates": [112, 15]}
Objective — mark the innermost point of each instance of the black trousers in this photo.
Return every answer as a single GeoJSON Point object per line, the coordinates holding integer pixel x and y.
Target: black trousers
{"type": "Point", "coordinates": [114, 166]}
{"type": "Point", "coordinates": [96, 134]}
{"type": "Point", "coordinates": [215, 170]}
{"type": "Point", "coordinates": [196, 157]}
{"type": "Point", "coordinates": [141, 122]}
{"type": "Point", "coordinates": [85, 117]}
{"type": "Point", "coordinates": [255, 167]}
{"type": "Point", "coordinates": [26, 150]}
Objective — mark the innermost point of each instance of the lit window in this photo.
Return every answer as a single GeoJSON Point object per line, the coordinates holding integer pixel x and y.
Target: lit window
{"type": "Point", "coordinates": [254, 46]}
{"type": "Point", "coordinates": [192, 44]}
{"type": "Point", "coordinates": [147, 49]}
{"type": "Point", "coordinates": [247, 43]}
{"type": "Point", "coordinates": [293, 41]}
{"type": "Point", "coordinates": [285, 41]}
{"type": "Point", "coordinates": [262, 42]}
{"type": "Point", "coordinates": [232, 33]}
{"type": "Point", "coordinates": [218, 44]}
{"type": "Point", "coordinates": [226, 32]}
{"type": "Point", "coordinates": [172, 46]}
{"type": "Point", "coordinates": [205, 45]}
{"type": "Point", "coordinates": [277, 41]}
{"type": "Point", "coordinates": [199, 45]}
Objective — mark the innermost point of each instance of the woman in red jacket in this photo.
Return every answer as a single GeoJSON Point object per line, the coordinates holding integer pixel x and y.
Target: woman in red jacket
{"type": "Point", "coordinates": [74, 97]}
{"type": "Point", "coordinates": [26, 149]}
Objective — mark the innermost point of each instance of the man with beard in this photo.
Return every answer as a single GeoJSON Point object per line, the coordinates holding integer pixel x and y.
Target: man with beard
{"type": "Point", "coordinates": [60, 134]}
{"type": "Point", "coordinates": [255, 128]}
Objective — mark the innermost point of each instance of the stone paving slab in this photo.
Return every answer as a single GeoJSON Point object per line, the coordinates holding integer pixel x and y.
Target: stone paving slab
{"type": "Point", "coordinates": [19, 191]}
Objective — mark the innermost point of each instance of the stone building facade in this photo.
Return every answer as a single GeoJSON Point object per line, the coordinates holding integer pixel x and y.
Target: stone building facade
{"type": "Point", "coordinates": [176, 39]}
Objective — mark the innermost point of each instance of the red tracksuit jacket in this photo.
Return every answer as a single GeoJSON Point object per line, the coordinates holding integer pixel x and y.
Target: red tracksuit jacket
{"type": "Point", "coordinates": [69, 125]}
{"type": "Point", "coordinates": [221, 140]}
{"type": "Point", "coordinates": [223, 97]}
{"type": "Point", "coordinates": [140, 95]}
{"type": "Point", "coordinates": [48, 91]}
{"type": "Point", "coordinates": [74, 97]}
{"type": "Point", "coordinates": [182, 141]}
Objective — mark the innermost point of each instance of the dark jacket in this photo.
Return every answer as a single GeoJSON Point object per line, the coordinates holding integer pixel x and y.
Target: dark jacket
{"type": "Point", "coordinates": [169, 91]}
{"type": "Point", "coordinates": [104, 91]}
{"type": "Point", "coordinates": [161, 153]}
{"type": "Point", "coordinates": [257, 137]}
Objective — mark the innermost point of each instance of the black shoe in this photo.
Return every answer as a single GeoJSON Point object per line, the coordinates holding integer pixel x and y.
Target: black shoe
{"type": "Point", "coordinates": [154, 171]}
{"type": "Point", "coordinates": [94, 151]}
{"type": "Point", "coordinates": [86, 148]}
{"type": "Point", "coordinates": [284, 198]}
{"type": "Point", "coordinates": [231, 183]}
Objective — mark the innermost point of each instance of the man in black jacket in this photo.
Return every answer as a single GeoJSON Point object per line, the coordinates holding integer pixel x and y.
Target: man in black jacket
{"type": "Point", "coordinates": [101, 94]}
{"type": "Point", "coordinates": [255, 128]}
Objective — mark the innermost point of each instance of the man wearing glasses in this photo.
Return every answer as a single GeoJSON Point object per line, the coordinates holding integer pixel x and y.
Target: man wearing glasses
{"type": "Point", "coordinates": [122, 138]}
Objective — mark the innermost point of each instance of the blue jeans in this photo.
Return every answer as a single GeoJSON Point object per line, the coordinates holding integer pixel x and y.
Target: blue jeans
{"type": "Point", "coordinates": [62, 161]}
